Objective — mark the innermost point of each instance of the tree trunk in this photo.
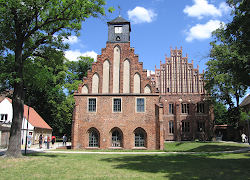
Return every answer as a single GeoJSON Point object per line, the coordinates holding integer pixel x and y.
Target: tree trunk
{"type": "Point", "coordinates": [14, 148]}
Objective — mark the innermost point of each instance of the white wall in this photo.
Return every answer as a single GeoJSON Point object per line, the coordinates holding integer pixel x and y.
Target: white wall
{"type": "Point", "coordinates": [6, 108]}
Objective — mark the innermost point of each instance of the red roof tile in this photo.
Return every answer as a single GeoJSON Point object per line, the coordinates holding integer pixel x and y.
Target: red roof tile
{"type": "Point", "coordinates": [34, 118]}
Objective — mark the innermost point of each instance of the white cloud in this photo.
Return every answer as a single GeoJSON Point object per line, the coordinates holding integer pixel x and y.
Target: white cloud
{"type": "Point", "coordinates": [141, 15]}
{"type": "Point", "coordinates": [224, 7]}
{"type": "Point", "coordinates": [149, 72]}
{"type": "Point", "coordinates": [202, 31]}
{"type": "Point", "coordinates": [202, 8]}
{"type": "Point", "coordinates": [72, 55]}
{"type": "Point", "coordinates": [71, 40]}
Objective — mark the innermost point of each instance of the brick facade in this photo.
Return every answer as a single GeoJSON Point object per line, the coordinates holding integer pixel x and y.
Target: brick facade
{"type": "Point", "coordinates": [143, 118]}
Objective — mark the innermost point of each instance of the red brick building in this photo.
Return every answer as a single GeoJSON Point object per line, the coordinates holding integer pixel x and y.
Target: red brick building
{"type": "Point", "coordinates": [119, 106]}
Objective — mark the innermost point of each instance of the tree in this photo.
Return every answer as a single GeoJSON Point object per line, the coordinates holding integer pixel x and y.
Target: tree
{"type": "Point", "coordinates": [76, 71]}
{"type": "Point", "coordinates": [227, 73]}
{"type": "Point", "coordinates": [26, 29]}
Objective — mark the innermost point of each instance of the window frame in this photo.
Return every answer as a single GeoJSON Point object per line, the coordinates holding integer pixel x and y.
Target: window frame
{"type": "Point", "coordinates": [140, 138]}
{"type": "Point", "coordinates": [96, 144]}
{"type": "Point", "coordinates": [88, 107]}
{"type": "Point", "coordinates": [172, 108]}
{"type": "Point", "coordinates": [185, 109]}
{"type": "Point", "coordinates": [144, 104]}
{"type": "Point", "coordinates": [171, 127]}
{"type": "Point", "coordinates": [113, 104]}
{"type": "Point", "coordinates": [200, 108]}
{"type": "Point", "coordinates": [3, 117]}
{"type": "Point", "coordinates": [185, 126]}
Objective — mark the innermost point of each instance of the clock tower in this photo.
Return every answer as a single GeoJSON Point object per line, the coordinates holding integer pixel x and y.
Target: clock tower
{"type": "Point", "coordinates": [119, 30]}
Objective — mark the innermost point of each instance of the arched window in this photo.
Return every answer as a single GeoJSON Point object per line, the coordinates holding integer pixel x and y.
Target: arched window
{"type": "Point", "coordinates": [116, 69]}
{"type": "Point", "coordinates": [137, 83]}
{"type": "Point", "coordinates": [147, 89]}
{"type": "Point", "coordinates": [105, 80]}
{"type": "Point", "coordinates": [85, 90]}
{"type": "Point", "coordinates": [95, 83]}
{"type": "Point", "coordinates": [93, 137]}
{"type": "Point", "coordinates": [117, 137]}
{"type": "Point", "coordinates": [126, 76]}
{"type": "Point", "coordinates": [140, 137]}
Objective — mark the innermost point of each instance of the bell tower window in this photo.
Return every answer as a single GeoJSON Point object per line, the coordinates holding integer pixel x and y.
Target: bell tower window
{"type": "Point", "coordinates": [118, 29]}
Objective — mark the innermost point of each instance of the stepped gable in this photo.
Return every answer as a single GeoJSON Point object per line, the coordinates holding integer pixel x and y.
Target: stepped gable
{"type": "Point", "coordinates": [108, 54]}
{"type": "Point", "coordinates": [177, 75]}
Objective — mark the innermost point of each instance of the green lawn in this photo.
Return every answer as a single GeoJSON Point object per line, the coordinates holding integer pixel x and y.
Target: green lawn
{"type": "Point", "coordinates": [99, 166]}
{"type": "Point", "coordinates": [202, 146]}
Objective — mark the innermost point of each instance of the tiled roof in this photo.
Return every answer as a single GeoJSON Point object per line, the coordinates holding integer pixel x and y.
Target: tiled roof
{"type": "Point", "coordinates": [119, 19]}
{"type": "Point", "coordinates": [34, 118]}
{"type": "Point", "coordinates": [245, 101]}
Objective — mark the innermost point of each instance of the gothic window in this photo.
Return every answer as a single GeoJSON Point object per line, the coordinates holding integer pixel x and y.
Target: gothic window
{"type": "Point", "coordinates": [126, 76]}
{"type": "Point", "coordinates": [105, 80]}
{"type": "Point", "coordinates": [117, 105]}
{"type": "Point", "coordinates": [85, 89]}
{"type": "Point", "coordinates": [116, 69]}
{"type": "Point", "coordinates": [185, 126]}
{"type": "Point", "coordinates": [95, 83]}
{"type": "Point", "coordinates": [92, 105]}
{"type": "Point", "coordinates": [140, 104]}
{"type": "Point", "coordinates": [93, 138]}
{"type": "Point", "coordinates": [137, 83]}
{"type": "Point", "coordinates": [200, 107]}
{"type": "Point", "coordinates": [185, 108]}
{"type": "Point", "coordinates": [147, 89]}
{"type": "Point", "coordinates": [171, 127]}
{"type": "Point", "coordinates": [140, 137]}
{"type": "Point", "coordinates": [116, 138]}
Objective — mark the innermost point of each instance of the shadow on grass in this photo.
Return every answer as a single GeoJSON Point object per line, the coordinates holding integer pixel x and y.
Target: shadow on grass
{"type": "Point", "coordinates": [45, 155]}
{"type": "Point", "coordinates": [204, 166]}
{"type": "Point", "coordinates": [214, 148]}
{"type": "Point", "coordinates": [201, 147]}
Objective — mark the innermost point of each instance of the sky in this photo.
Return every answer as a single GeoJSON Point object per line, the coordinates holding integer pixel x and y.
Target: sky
{"type": "Point", "coordinates": [156, 25]}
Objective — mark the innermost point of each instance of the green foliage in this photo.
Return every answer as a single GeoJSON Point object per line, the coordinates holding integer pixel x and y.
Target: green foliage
{"type": "Point", "coordinates": [29, 29]}
{"type": "Point", "coordinates": [76, 71]}
{"type": "Point", "coordinates": [228, 73]}
{"type": "Point", "coordinates": [220, 113]}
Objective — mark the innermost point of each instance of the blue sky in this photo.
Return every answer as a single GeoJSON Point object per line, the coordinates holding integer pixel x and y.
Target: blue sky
{"type": "Point", "coordinates": [157, 25]}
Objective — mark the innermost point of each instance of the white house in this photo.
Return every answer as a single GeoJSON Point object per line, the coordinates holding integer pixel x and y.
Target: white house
{"type": "Point", "coordinates": [36, 125]}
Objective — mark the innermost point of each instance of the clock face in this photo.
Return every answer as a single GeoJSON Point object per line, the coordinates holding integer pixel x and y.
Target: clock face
{"type": "Point", "coordinates": [118, 29]}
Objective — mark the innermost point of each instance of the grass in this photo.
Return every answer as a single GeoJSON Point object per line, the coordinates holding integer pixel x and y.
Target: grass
{"type": "Point", "coordinates": [97, 166]}
{"type": "Point", "coordinates": [202, 146]}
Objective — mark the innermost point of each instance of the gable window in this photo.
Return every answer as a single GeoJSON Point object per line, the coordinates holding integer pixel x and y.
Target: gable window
{"type": "Point", "coordinates": [140, 105]}
{"type": "Point", "coordinates": [200, 108]}
{"type": "Point", "coordinates": [171, 127]}
{"type": "Point", "coordinates": [200, 126]}
{"type": "Point", "coordinates": [4, 117]}
{"type": "Point", "coordinates": [171, 108]}
{"type": "Point", "coordinates": [185, 126]}
{"type": "Point", "coordinates": [92, 105]}
{"type": "Point", "coordinates": [117, 105]}
{"type": "Point", "coordinates": [185, 108]}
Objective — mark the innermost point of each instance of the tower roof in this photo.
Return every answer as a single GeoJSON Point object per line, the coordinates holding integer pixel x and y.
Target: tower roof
{"type": "Point", "coordinates": [119, 20]}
